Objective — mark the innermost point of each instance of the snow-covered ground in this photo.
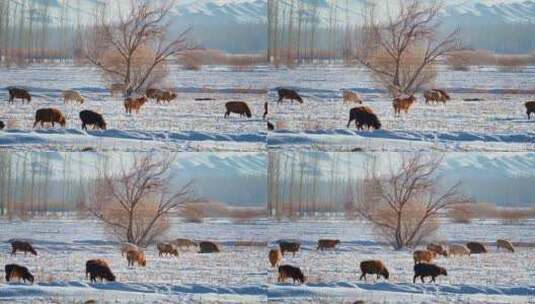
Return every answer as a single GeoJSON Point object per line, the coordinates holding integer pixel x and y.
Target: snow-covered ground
{"type": "Point", "coordinates": [236, 275]}
{"type": "Point", "coordinates": [182, 125]}
{"type": "Point", "coordinates": [497, 123]}
{"type": "Point", "coordinates": [242, 274]}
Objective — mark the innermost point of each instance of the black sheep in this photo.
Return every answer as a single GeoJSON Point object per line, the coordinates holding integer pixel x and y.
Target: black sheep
{"type": "Point", "coordinates": [14, 271]}
{"type": "Point", "coordinates": [423, 270]}
{"type": "Point", "coordinates": [92, 118]}
{"type": "Point", "coordinates": [364, 116]}
{"type": "Point", "coordinates": [288, 271]}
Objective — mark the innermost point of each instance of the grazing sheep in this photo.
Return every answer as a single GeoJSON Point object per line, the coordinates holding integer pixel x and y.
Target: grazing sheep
{"type": "Point", "coordinates": [14, 271]}
{"type": "Point", "coordinates": [265, 111]}
{"type": "Point", "coordinates": [530, 108]}
{"type": "Point", "coordinates": [181, 243]}
{"type": "Point", "coordinates": [165, 96]}
{"type": "Point", "coordinates": [136, 256]}
{"type": "Point", "coordinates": [125, 247]}
{"type": "Point", "coordinates": [327, 244]}
{"type": "Point", "coordinates": [364, 116]}
{"type": "Point", "coordinates": [238, 107]}
{"type": "Point", "coordinates": [275, 257]}
{"type": "Point", "coordinates": [134, 104]}
{"type": "Point", "coordinates": [288, 271]}
{"type": "Point", "coordinates": [403, 103]}
{"type": "Point", "coordinates": [436, 95]}
{"type": "Point", "coordinates": [505, 244]}
{"type": "Point", "coordinates": [351, 97]}
{"type": "Point", "coordinates": [2, 125]}
{"type": "Point", "coordinates": [92, 118]}
{"type": "Point", "coordinates": [20, 94]}
{"type": "Point", "coordinates": [290, 95]}
{"type": "Point", "coordinates": [476, 248]}
{"type": "Point", "coordinates": [71, 95]}
{"type": "Point", "coordinates": [423, 270]}
{"type": "Point", "coordinates": [373, 267]}
{"type": "Point", "coordinates": [49, 115]}
{"type": "Point", "coordinates": [288, 246]}
{"type": "Point", "coordinates": [23, 246]}
{"type": "Point", "coordinates": [166, 249]}
{"type": "Point", "coordinates": [438, 249]}
{"type": "Point", "coordinates": [270, 126]}
{"type": "Point", "coordinates": [98, 269]}
{"type": "Point", "coordinates": [208, 247]}
{"type": "Point", "coordinates": [117, 88]}
{"type": "Point", "coordinates": [152, 93]}
{"type": "Point", "coordinates": [458, 250]}
{"type": "Point", "coordinates": [423, 256]}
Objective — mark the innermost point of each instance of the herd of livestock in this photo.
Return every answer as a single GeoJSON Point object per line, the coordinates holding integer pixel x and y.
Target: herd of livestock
{"type": "Point", "coordinates": [363, 116]}
{"type": "Point", "coordinates": [423, 259]}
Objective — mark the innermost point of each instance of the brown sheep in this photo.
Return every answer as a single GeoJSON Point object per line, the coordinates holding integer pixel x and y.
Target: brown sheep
{"type": "Point", "coordinates": [289, 246]}
{"type": "Point", "coordinates": [530, 108]}
{"type": "Point", "coordinates": [165, 96]}
{"type": "Point", "coordinates": [373, 267]}
{"type": "Point", "coordinates": [476, 248]}
{"type": "Point", "coordinates": [438, 249]}
{"type": "Point", "coordinates": [23, 246]}
{"type": "Point", "coordinates": [275, 257]}
{"type": "Point", "coordinates": [98, 269]}
{"type": "Point", "coordinates": [423, 270]}
{"type": "Point", "coordinates": [505, 244]}
{"type": "Point", "coordinates": [364, 116]}
{"type": "Point", "coordinates": [458, 250]}
{"type": "Point", "coordinates": [136, 256]}
{"type": "Point", "coordinates": [289, 94]}
{"type": "Point", "coordinates": [288, 271]}
{"type": "Point", "coordinates": [238, 107]}
{"type": "Point", "coordinates": [20, 94]}
{"type": "Point", "coordinates": [49, 115]}
{"type": "Point", "coordinates": [352, 97]}
{"type": "Point", "coordinates": [327, 244]}
{"type": "Point", "coordinates": [14, 271]}
{"type": "Point", "coordinates": [71, 95]}
{"type": "Point", "coordinates": [134, 104]}
{"type": "Point", "coordinates": [423, 256]}
{"type": "Point", "coordinates": [403, 103]}
{"type": "Point", "coordinates": [208, 247]}
{"type": "Point", "coordinates": [181, 243]}
{"type": "Point", "coordinates": [166, 249]}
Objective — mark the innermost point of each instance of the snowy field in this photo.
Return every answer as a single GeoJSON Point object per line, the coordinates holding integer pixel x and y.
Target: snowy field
{"type": "Point", "coordinates": [236, 275]}
{"type": "Point", "coordinates": [497, 123]}
{"type": "Point", "coordinates": [497, 277]}
{"type": "Point", "coordinates": [242, 274]}
{"type": "Point", "coordinates": [184, 124]}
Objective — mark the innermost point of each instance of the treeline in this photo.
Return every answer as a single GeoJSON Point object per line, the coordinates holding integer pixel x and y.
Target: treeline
{"type": "Point", "coordinates": [37, 30]}
{"type": "Point", "coordinates": [299, 31]}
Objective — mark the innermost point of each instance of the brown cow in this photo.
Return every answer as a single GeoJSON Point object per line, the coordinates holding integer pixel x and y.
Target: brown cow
{"type": "Point", "coordinates": [327, 244]}
{"type": "Point", "coordinates": [23, 246]}
{"type": "Point", "coordinates": [289, 246]}
{"type": "Point", "coordinates": [238, 107]}
{"type": "Point", "coordinates": [476, 248]}
{"type": "Point", "coordinates": [165, 96]}
{"type": "Point", "coordinates": [98, 268]}
{"type": "Point", "coordinates": [49, 115]}
{"type": "Point", "coordinates": [208, 247]}
{"type": "Point", "coordinates": [403, 103]}
{"type": "Point", "coordinates": [436, 95]}
{"type": "Point", "coordinates": [288, 271]}
{"type": "Point", "coordinates": [530, 108]}
{"type": "Point", "coordinates": [290, 95]}
{"type": "Point", "coordinates": [134, 104]}
{"type": "Point", "coordinates": [373, 267]}
{"type": "Point", "coordinates": [275, 257]}
{"type": "Point", "coordinates": [166, 249]}
{"type": "Point", "coordinates": [20, 94]}
{"type": "Point", "coordinates": [136, 256]}
{"type": "Point", "coordinates": [420, 256]}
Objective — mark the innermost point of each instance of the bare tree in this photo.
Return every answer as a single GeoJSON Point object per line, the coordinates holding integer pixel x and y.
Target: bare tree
{"type": "Point", "coordinates": [401, 51]}
{"type": "Point", "coordinates": [144, 28]}
{"type": "Point", "coordinates": [403, 205]}
{"type": "Point", "coordinates": [135, 204]}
